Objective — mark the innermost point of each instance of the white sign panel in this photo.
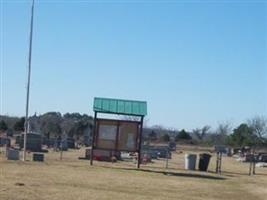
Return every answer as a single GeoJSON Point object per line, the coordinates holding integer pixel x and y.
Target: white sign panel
{"type": "Point", "coordinates": [107, 132]}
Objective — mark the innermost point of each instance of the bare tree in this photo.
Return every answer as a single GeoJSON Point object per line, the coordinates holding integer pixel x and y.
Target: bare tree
{"type": "Point", "coordinates": [67, 125]}
{"type": "Point", "coordinates": [197, 133]}
{"type": "Point", "coordinates": [259, 126]}
{"type": "Point", "coordinates": [222, 131]}
{"type": "Point", "coordinates": [201, 133]}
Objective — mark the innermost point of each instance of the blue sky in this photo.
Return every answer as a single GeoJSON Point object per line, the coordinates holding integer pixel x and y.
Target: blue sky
{"type": "Point", "coordinates": [194, 63]}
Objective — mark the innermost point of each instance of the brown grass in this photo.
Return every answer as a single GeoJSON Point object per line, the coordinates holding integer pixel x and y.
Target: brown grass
{"type": "Point", "coordinates": [75, 179]}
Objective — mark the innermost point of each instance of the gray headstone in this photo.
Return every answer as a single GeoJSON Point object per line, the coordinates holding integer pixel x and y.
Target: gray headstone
{"type": "Point", "coordinates": [12, 154]}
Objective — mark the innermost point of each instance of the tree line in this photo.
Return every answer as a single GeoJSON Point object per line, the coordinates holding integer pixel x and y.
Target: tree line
{"type": "Point", "coordinates": [50, 125]}
{"type": "Point", "coordinates": [250, 133]}
{"type": "Point", "coordinates": [76, 125]}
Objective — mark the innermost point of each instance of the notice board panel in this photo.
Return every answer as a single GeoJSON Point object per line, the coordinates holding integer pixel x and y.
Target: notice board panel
{"type": "Point", "coordinates": [117, 135]}
{"type": "Point", "coordinates": [128, 133]}
{"type": "Point", "coordinates": [107, 133]}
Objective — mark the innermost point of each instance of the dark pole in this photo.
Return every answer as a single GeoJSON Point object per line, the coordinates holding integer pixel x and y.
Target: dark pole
{"type": "Point", "coordinates": [140, 143]}
{"type": "Point", "coordinates": [250, 167]}
{"type": "Point", "coordinates": [93, 140]}
{"type": "Point", "coordinates": [254, 161]}
{"type": "Point", "coordinates": [28, 87]}
{"type": "Point", "coordinates": [251, 162]}
{"type": "Point", "coordinates": [220, 166]}
{"type": "Point", "coordinates": [117, 141]}
{"type": "Point", "coordinates": [217, 163]}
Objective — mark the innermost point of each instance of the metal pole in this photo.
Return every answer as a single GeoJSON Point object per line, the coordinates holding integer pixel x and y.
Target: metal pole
{"type": "Point", "coordinates": [220, 166]}
{"type": "Point", "coordinates": [61, 153]}
{"type": "Point", "coordinates": [250, 163]}
{"type": "Point", "coordinates": [254, 161]}
{"type": "Point", "coordinates": [93, 140]}
{"type": "Point", "coordinates": [217, 163]}
{"type": "Point", "coordinates": [28, 86]}
{"type": "Point", "coordinates": [167, 160]}
{"type": "Point", "coordinates": [140, 143]}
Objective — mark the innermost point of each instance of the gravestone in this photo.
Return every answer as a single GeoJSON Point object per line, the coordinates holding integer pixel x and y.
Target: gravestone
{"type": "Point", "coordinates": [12, 154]}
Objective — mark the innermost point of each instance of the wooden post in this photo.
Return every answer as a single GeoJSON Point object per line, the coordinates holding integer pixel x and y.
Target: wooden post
{"type": "Point", "coordinates": [220, 166]}
{"type": "Point", "coordinates": [250, 168]}
{"type": "Point", "coordinates": [254, 167]}
{"type": "Point", "coordinates": [114, 153]}
{"type": "Point", "coordinates": [61, 154]}
{"type": "Point", "coordinates": [93, 140]}
{"type": "Point", "coordinates": [254, 162]}
{"type": "Point", "coordinates": [140, 143]}
{"type": "Point", "coordinates": [217, 162]}
{"type": "Point", "coordinates": [167, 160]}
{"type": "Point", "coordinates": [250, 163]}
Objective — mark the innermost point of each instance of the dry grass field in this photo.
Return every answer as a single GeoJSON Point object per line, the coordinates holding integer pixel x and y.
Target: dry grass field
{"type": "Point", "coordinates": [73, 179]}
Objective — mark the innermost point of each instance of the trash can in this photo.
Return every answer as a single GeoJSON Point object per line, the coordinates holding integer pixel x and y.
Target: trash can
{"type": "Point", "coordinates": [190, 161]}
{"type": "Point", "coordinates": [204, 160]}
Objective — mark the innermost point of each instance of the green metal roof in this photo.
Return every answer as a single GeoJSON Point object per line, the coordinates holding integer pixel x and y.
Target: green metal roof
{"type": "Point", "coordinates": [119, 106]}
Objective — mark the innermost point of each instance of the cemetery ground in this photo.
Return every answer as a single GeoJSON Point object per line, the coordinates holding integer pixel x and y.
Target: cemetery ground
{"type": "Point", "coordinates": [72, 178]}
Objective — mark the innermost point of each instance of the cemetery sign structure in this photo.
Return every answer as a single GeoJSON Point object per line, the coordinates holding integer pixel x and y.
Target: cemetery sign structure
{"type": "Point", "coordinates": [118, 135]}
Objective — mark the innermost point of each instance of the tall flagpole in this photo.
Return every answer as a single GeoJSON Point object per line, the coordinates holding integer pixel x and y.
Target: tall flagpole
{"type": "Point", "coordinates": [26, 125]}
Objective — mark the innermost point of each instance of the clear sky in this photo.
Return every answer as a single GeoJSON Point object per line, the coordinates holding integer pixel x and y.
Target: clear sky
{"type": "Point", "coordinates": [194, 63]}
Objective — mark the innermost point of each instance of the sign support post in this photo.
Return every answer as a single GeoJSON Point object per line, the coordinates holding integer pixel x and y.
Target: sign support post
{"type": "Point", "coordinates": [140, 144]}
{"type": "Point", "coordinates": [93, 140]}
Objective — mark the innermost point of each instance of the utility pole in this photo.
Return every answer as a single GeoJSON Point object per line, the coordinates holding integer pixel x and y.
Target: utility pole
{"type": "Point", "coordinates": [26, 125]}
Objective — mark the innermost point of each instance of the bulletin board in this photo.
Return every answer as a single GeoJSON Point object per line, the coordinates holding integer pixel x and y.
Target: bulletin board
{"type": "Point", "coordinates": [117, 135]}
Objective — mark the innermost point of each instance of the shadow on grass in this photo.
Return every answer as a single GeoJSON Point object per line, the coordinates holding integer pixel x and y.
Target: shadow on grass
{"type": "Point", "coordinates": [260, 174]}
{"type": "Point", "coordinates": [234, 173]}
{"type": "Point", "coordinates": [178, 174]}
